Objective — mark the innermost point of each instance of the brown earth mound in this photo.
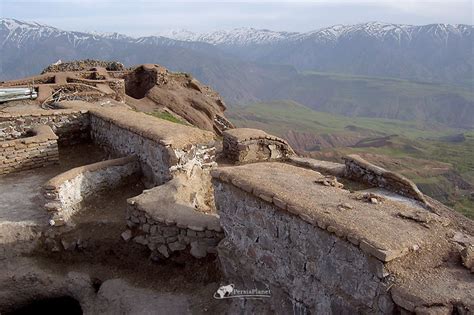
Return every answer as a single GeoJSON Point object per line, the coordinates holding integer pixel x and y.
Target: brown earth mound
{"type": "Point", "coordinates": [147, 88]}
{"type": "Point", "coordinates": [152, 87]}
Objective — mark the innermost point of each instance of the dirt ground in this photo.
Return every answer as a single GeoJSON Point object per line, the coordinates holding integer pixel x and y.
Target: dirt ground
{"type": "Point", "coordinates": [182, 283]}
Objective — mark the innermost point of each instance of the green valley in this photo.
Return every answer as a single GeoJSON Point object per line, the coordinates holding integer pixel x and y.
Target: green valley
{"type": "Point", "coordinates": [439, 159]}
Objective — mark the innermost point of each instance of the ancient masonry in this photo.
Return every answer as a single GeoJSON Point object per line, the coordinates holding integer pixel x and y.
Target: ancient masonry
{"type": "Point", "coordinates": [249, 145]}
{"type": "Point", "coordinates": [39, 149]}
{"type": "Point", "coordinates": [272, 219]}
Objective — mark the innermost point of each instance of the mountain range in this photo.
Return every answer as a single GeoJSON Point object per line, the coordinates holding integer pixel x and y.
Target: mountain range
{"type": "Point", "coordinates": [435, 53]}
{"type": "Point", "coordinates": [247, 65]}
{"type": "Point", "coordinates": [400, 94]}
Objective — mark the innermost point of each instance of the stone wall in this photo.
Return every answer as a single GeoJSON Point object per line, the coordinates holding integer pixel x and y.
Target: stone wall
{"type": "Point", "coordinates": [308, 266]}
{"type": "Point", "coordinates": [158, 158]}
{"type": "Point", "coordinates": [39, 150]}
{"type": "Point", "coordinates": [71, 126]}
{"type": "Point", "coordinates": [65, 192]}
{"type": "Point", "coordinates": [359, 169]}
{"type": "Point", "coordinates": [164, 236]}
{"type": "Point", "coordinates": [244, 145]}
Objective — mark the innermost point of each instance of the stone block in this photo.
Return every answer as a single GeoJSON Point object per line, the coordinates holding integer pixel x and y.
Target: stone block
{"type": "Point", "coordinates": [198, 249]}
{"type": "Point", "coordinates": [176, 246]}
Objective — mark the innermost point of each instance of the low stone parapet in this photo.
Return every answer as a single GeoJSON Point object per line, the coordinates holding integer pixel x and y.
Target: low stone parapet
{"type": "Point", "coordinates": [245, 145]}
{"type": "Point", "coordinates": [325, 167]}
{"type": "Point", "coordinates": [361, 170]}
{"type": "Point", "coordinates": [65, 193]}
{"type": "Point", "coordinates": [164, 219]}
{"type": "Point", "coordinates": [39, 150]}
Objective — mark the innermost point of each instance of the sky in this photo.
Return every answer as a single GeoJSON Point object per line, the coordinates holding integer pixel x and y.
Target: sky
{"type": "Point", "coordinates": [140, 18]}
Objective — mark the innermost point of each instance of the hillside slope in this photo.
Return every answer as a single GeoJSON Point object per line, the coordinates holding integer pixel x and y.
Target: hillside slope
{"type": "Point", "coordinates": [440, 160]}
{"type": "Point", "coordinates": [378, 97]}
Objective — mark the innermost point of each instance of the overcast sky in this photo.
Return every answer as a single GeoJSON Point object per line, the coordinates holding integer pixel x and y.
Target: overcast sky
{"type": "Point", "coordinates": [150, 17]}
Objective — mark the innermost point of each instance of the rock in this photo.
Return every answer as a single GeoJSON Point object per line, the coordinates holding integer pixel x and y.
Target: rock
{"type": "Point", "coordinates": [345, 206]}
{"type": "Point", "coordinates": [176, 246]}
{"type": "Point", "coordinates": [198, 250]}
{"type": "Point", "coordinates": [126, 235]}
{"type": "Point", "coordinates": [329, 181]}
{"type": "Point", "coordinates": [141, 240]}
{"type": "Point", "coordinates": [146, 228]}
{"type": "Point", "coordinates": [170, 231]}
{"type": "Point", "coordinates": [467, 256]}
{"type": "Point", "coordinates": [163, 250]}
{"type": "Point", "coordinates": [433, 310]}
{"type": "Point", "coordinates": [68, 245]}
{"type": "Point", "coordinates": [374, 200]}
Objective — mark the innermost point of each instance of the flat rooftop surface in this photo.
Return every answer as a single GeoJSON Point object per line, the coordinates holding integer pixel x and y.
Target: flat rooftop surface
{"type": "Point", "coordinates": [379, 224]}
{"type": "Point", "coordinates": [161, 130]}
{"type": "Point", "coordinates": [427, 270]}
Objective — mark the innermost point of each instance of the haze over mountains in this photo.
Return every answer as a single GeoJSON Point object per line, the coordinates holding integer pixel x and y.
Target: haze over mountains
{"type": "Point", "coordinates": [248, 65]}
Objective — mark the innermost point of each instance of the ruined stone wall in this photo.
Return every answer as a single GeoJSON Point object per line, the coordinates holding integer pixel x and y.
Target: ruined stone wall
{"type": "Point", "coordinates": [306, 265]}
{"type": "Point", "coordinates": [244, 145]}
{"type": "Point", "coordinates": [39, 150]}
{"type": "Point", "coordinates": [164, 236]}
{"type": "Point", "coordinates": [359, 169]}
{"type": "Point", "coordinates": [158, 159]}
{"type": "Point", "coordinates": [71, 126]}
{"type": "Point", "coordinates": [65, 192]}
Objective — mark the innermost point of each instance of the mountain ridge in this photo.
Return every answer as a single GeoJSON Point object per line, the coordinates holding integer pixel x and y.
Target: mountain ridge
{"type": "Point", "coordinates": [249, 35]}
{"type": "Point", "coordinates": [301, 71]}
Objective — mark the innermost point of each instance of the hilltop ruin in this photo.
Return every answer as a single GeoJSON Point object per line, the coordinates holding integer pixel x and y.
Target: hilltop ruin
{"type": "Point", "coordinates": [114, 210]}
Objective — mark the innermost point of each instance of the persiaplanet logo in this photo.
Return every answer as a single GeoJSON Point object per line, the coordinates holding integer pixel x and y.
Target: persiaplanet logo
{"type": "Point", "coordinates": [230, 291]}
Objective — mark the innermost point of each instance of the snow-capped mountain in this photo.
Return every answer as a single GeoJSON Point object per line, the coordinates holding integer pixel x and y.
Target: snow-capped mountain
{"type": "Point", "coordinates": [19, 33]}
{"type": "Point", "coordinates": [239, 36]}
{"type": "Point", "coordinates": [374, 30]}
{"type": "Point", "coordinates": [249, 57]}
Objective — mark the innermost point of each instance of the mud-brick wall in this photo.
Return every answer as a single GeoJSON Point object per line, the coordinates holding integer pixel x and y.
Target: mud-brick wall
{"type": "Point", "coordinates": [165, 237]}
{"type": "Point", "coordinates": [304, 266]}
{"type": "Point", "coordinates": [70, 126]}
{"type": "Point", "coordinates": [27, 153]}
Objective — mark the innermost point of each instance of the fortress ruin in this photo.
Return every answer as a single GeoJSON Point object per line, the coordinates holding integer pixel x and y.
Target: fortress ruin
{"type": "Point", "coordinates": [120, 211]}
